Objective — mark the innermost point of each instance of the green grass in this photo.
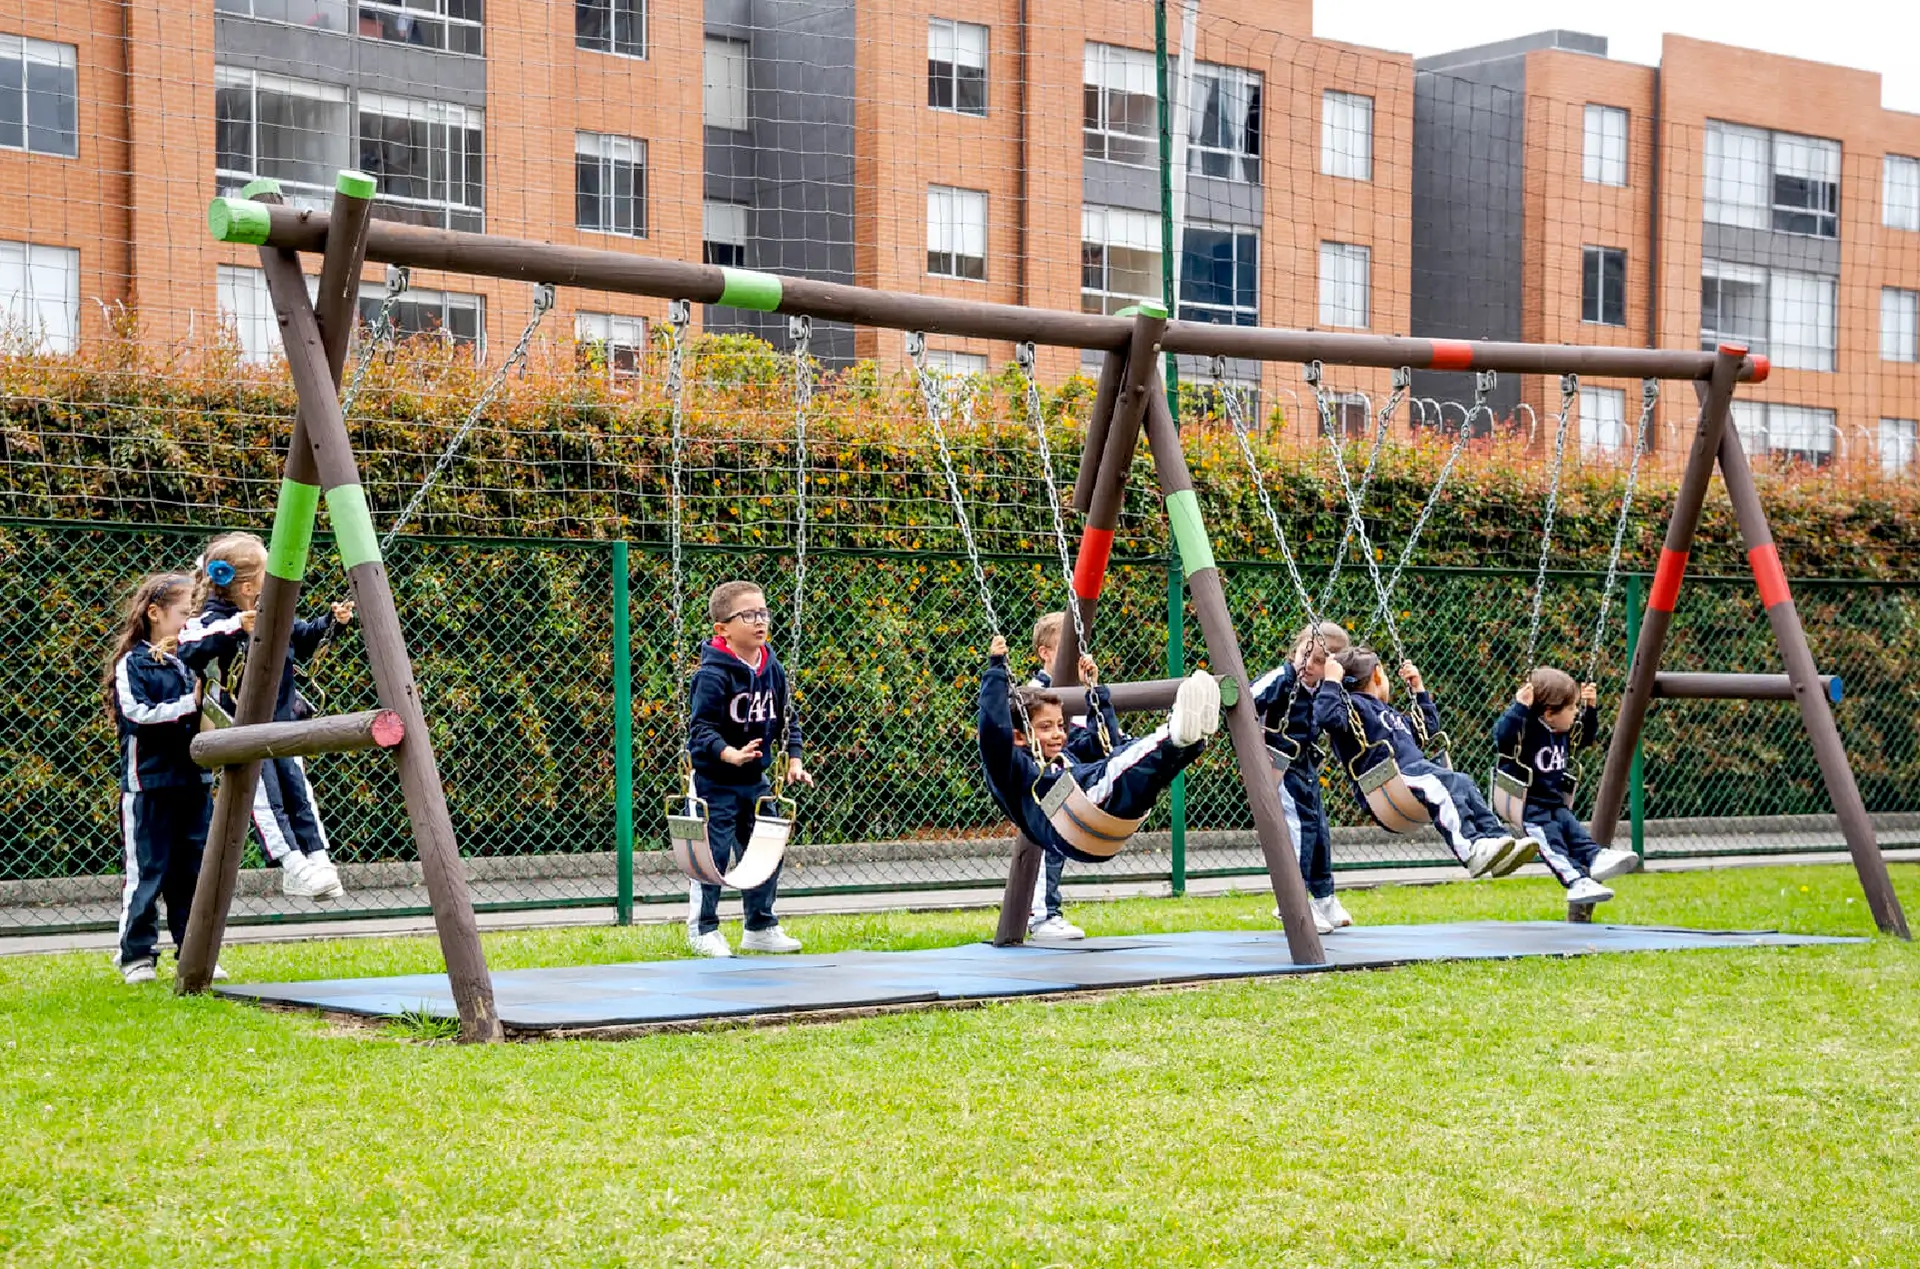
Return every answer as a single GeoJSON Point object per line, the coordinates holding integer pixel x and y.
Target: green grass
{"type": "Point", "coordinates": [1676, 1109]}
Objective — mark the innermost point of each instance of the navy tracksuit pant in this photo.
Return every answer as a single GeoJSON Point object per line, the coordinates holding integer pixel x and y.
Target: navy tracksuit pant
{"type": "Point", "coordinates": [283, 811]}
{"type": "Point", "coordinates": [730, 817]}
{"type": "Point", "coordinates": [1565, 846]}
{"type": "Point", "coordinates": [1454, 801]}
{"type": "Point", "coordinates": [166, 833]}
{"type": "Point", "coordinates": [1128, 782]}
{"type": "Point", "coordinates": [1307, 822]}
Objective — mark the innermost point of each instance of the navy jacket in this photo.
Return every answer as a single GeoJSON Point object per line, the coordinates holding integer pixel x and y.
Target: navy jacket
{"type": "Point", "coordinates": [1286, 706]}
{"type": "Point", "coordinates": [1083, 739]}
{"type": "Point", "coordinates": [153, 700]}
{"type": "Point", "coordinates": [1377, 722]}
{"type": "Point", "coordinates": [213, 641]}
{"type": "Point", "coordinates": [1015, 778]}
{"type": "Point", "coordinates": [733, 704]}
{"type": "Point", "coordinates": [1543, 751]}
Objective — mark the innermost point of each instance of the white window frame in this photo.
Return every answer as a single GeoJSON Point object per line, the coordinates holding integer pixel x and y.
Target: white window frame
{"type": "Point", "coordinates": [608, 152]}
{"type": "Point", "coordinates": [1897, 446]}
{"type": "Point", "coordinates": [1900, 192]}
{"type": "Point", "coordinates": [957, 229]}
{"type": "Point", "coordinates": [1215, 86]}
{"type": "Point", "coordinates": [1899, 324]}
{"type": "Point", "coordinates": [1119, 228]}
{"type": "Point", "coordinates": [320, 15]}
{"type": "Point", "coordinates": [620, 339]}
{"type": "Point", "coordinates": [1604, 156]}
{"type": "Point", "coordinates": [726, 224]}
{"type": "Point", "coordinates": [725, 67]}
{"type": "Point", "coordinates": [1603, 420]}
{"type": "Point", "coordinates": [246, 303]}
{"type": "Point", "coordinates": [639, 11]}
{"type": "Point", "coordinates": [1236, 313]}
{"type": "Point", "coordinates": [39, 297]}
{"type": "Point", "coordinates": [433, 13]}
{"type": "Point", "coordinates": [1346, 135]}
{"type": "Point", "coordinates": [1788, 320]}
{"type": "Point", "coordinates": [311, 194]}
{"type": "Point", "coordinates": [66, 57]}
{"type": "Point", "coordinates": [957, 46]}
{"type": "Point", "coordinates": [951, 363]}
{"type": "Point", "coordinates": [1340, 288]}
{"type": "Point", "coordinates": [1113, 70]}
{"type": "Point", "coordinates": [373, 294]}
{"type": "Point", "coordinates": [454, 118]}
{"type": "Point", "coordinates": [1742, 164]}
{"type": "Point", "coordinates": [1744, 275]}
{"type": "Point", "coordinates": [1766, 428]}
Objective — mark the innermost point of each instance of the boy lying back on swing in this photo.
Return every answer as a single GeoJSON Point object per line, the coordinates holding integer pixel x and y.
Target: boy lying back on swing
{"type": "Point", "coordinates": [1026, 763]}
{"type": "Point", "coordinates": [1353, 710]}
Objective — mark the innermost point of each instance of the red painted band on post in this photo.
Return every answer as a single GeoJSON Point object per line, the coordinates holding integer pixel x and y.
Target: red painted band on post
{"type": "Point", "coordinates": [1734, 350]}
{"type": "Point", "coordinates": [388, 730]}
{"type": "Point", "coordinates": [1090, 570]}
{"type": "Point", "coordinates": [1762, 367]}
{"type": "Point", "coordinates": [1768, 575]}
{"type": "Point", "coordinates": [1452, 354]}
{"type": "Point", "coordinates": [1666, 580]}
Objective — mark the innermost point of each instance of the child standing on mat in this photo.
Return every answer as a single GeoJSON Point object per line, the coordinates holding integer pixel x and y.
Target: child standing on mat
{"type": "Point", "coordinates": [154, 702]}
{"type": "Point", "coordinates": [226, 593]}
{"type": "Point", "coordinates": [1084, 744]}
{"type": "Point", "coordinates": [1283, 697]}
{"type": "Point", "coordinates": [1352, 707]}
{"type": "Point", "coordinates": [1124, 784]}
{"type": "Point", "coordinates": [1552, 717]}
{"type": "Point", "coordinates": [739, 720]}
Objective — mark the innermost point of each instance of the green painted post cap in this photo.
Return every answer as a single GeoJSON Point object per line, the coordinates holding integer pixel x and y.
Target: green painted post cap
{"type": "Point", "coordinates": [239, 220]}
{"type": "Point", "coordinates": [258, 186]}
{"type": "Point", "coordinates": [1150, 309]}
{"type": "Point", "coordinates": [355, 184]}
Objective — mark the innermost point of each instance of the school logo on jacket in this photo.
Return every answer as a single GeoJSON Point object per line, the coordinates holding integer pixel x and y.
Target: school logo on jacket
{"type": "Point", "coordinates": [751, 707]}
{"type": "Point", "coordinates": [1550, 758]}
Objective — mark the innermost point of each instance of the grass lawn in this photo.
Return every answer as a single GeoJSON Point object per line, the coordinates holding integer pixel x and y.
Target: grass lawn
{"type": "Point", "coordinates": [1755, 1107]}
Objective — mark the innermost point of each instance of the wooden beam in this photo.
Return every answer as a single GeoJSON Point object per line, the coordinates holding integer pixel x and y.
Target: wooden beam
{"type": "Point", "coordinates": [1683, 686]}
{"type": "Point", "coordinates": [1136, 697]}
{"type": "Point", "coordinates": [336, 733]}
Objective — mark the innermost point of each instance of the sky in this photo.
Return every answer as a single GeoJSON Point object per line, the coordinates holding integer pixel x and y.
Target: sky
{"type": "Point", "coordinates": [1883, 36]}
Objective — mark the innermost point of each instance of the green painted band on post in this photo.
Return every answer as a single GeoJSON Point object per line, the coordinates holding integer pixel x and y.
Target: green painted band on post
{"type": "Point", "coordinates": [292, 530]}
{"type": "Point", "coordinates": [239, 220]}
{"type": "Point", "coordinates": [352, 526]}
{"type": "Point", "coordinates": [355, 184]}
{"type": "Point", "coordinates": [1149, 308]}
{"type": "Point", "coordinates": [1196, 554]}
{"type": "Point", "coordinates": [749, 289]}
{"type": "Point", "coordinates": [258, 186]}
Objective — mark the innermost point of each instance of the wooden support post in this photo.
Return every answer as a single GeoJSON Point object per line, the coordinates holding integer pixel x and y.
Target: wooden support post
{"type": "Point", "coordinates": [1113, 369]}
{"type": "Point", "coordinates": [1580, 913]}
{"type": "Point", "coordinates": [1223, 652]}
{"type": "Point", "coordinates": [1682, 525]}
{"type": "Point", "coordinates": [1136, 697]}
{"type": "Point", "coordinates": [1815, 713]}
{"type": "Point", "coordinates": [336, 733]}
{"type": "Point", "coordinates": [386, 652]}
{"type": "Point", "coordinates": [293, 519]}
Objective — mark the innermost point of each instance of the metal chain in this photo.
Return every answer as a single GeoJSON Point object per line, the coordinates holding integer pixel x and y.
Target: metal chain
{"type": "Point", "coordinates": [1569, 388]}
{"type": "Point", "coordinates": [1649, 394]}
{"type": "Point", "coordinates": [1483, 387]}
{"type": "Point", "coordinates": [1382, 605]}
{"type": "Point", "coordinates": [1023, 354]}
{"type": "Point", "coordinates": [931, 393]}
{"type": "Point", "coordinates": [800, 331]}
{"type": "Point", "coordinates": [679, 315]}
{"type": "Point", "coordinates": [1402, 380]}
{"type": "Point", "coordinates": [379, 332]}
{"type": "Point", "coordinates": [542, 301]}
{"type": "Point", "coordinates": [1235, 410]}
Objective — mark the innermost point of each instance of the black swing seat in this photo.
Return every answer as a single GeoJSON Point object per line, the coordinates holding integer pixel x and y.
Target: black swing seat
{"type": "Point", "coordinates": [1087, 833]}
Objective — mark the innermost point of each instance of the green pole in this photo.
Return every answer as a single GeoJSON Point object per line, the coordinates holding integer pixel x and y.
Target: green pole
{"type": "Point", "coordinates": [622, 734]}
{"type": "Point", "coordinates": [1176, 578]}
{"type": "Point", "coordinates": [1636, 782]}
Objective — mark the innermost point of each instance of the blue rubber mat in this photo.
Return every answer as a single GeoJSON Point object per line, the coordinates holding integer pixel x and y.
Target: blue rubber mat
{"type": "Point", "coordinates": [639, 994]}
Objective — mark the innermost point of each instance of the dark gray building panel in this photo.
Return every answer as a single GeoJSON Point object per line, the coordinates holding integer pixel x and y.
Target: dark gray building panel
{"type": "Point", "coordinates": [1766, 249]}
{"type": "Point", "coordinates": [331, 57]}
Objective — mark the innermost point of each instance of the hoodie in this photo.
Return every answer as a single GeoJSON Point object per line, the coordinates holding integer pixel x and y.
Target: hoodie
{"type": "Point", "coordinates": [1378, 722]}
{"type": "Point", "coordinates": [214, 640]}
{"type": "Point", "coordinates": [153, 701]}
{"type": "Point", "coordinates": [1286, 708]}
{"type": "Point", "coordinates": [733, 704]}
{"type": "Point", "coordinates": [1542, 751]}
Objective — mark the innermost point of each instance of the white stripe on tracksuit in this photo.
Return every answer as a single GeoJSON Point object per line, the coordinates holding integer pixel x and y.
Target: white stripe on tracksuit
{"type": "Point", "coordinates": [1433, 793]}
{"type": "Point", "coordinates": [132, 868]}
{"type": "Point", "coordinates": [147, 715]}
{"type": "Point", "coordinates": [1562, 868]}
{"type": "Point", "coordinates": [268, 824]}
{"type": "Point", "coordinates": [1129, 757]}
{"type": "Point", "coordinates": [1291, 809]}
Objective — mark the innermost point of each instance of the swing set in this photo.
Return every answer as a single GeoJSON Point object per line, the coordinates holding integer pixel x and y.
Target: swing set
{"type": "Point", "coordinates": [1129, 402]}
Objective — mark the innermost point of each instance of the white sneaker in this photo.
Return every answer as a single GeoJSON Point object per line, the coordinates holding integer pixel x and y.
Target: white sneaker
{"type": "Point", "coordinates": [1587, 890]}
{"type": "Point", "coordinates": [713, 943]}
{"type": "Point", "coordinates": [1486, 854]}
{"type": "Point", "coordinates": [1196, 710]}
{"type": "Point", "coordinates": [1322, 923]}
{"type": "Point", "coordinates": [1610, 863]}
{"type": "Point", "coordinates": [220, 975]}
{"type": "Point", "coordinates": [140, 971]}
{"type": "Point", "coordinates": [1055, 927]}
{"type": "Point", "coordinates": [1330, 908]}
{"type": "Point", "coordinates": [299, 879]}
{"type": "Point", "coordinates": [320, 860]}
{"type": "Point", "coordinates": [1519, 854]}
{"type": "Point", "coordinates": [773, 939]}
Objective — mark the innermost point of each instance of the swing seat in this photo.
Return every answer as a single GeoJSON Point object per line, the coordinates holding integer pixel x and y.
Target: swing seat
{"type": "Point", "coordinates": [1089, 834]}
{"type": "Point", "coordinates": [1439, 750]}
{"type": "Point", "coordinates": [687, 831]}
{"type": "Point", "coordinates": [1384, 791]}
{"type": "Point", "coordinates": [1283, 753]}
{"type": "Point", "coordinates": [773, 818]}
{"type": "Point", "coordinates": [1508, 794]}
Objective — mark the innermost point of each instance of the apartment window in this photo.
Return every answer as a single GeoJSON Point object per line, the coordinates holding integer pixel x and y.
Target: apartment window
{"type": "Point", "coordinates": [1603, 420]}
{"type": "Point", "coordinates": [1749, 419]}
{"type": "Point", "coordinates": [1733, 306]}
{"type": "Point", "coordinates": [1605, 157]}
{"type": "Point", "coordinates": [1900, 193]}
{"type": "Point", "coordinates": [723, 234]}
{"type": "Point", "coordinates": [321, 15]}
{"type": "Point", "coordinates": [956, 233]}
{"type": "Point", "coordinates": [1772, 180]}
{"type": "Point", "coordinates": [449, 26]}
{"type": "Point", "coordinates": [1122, 106]}
{"type": "Point", "coordinates": [610, 184]}
{"type": "Point", "coordinates": [1120, 258]}
{"type": "Point", "coordinates": [245, 302]}
{"type": "Point", "coordinates": [1224, 133]}
{"type": "Point", "coordinates": [39, 96]}
{"type": "Point", "coordinates": [40, 297]}
{"type": "Point", "coordinates": [957, 66]}
{"type": "Point", "coordinates": [1603, 286]}
{"type": "Point", "coordinates": [612, 342]}
{"type": "Point", "coordinates": [1349, 413]}
{"type": "Point", "coordinates": [724, 84]}
{"type": "Point", "coordinates": [1344, 272]}
{"type": "Point", "coordinates": [958, 365]}
{"type": "Point", "coordinates": [1800, 326]}
{"type": "Point", "coordinates": [1346, 136]}
{"type": "Point", "coordinates": [1896, 446]}
{"type": "Point", "coordinates": [611, 26]}
{"type": "Point", "coordinates": [1789, 431]}
{"type": "Point", "coordinates": [292, 130]}
{"type": "Point", "coordinates": [1220, 275]}
{"type": "Point", "coordinates": [452, 315]}
{"type": "Point", "coordinates": [1899, 325]}
{"type": "Point", "coordinates": [427, 156]}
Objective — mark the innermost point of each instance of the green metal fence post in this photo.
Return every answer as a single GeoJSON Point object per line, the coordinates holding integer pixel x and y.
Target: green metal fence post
{"type": "Point", "coordinates": [622, 734]}
{"type": "Point", "coordinates": [1176, 579]}
{"type": "Point", "coordinates": [1636, 784]}
{"type": "Point", "coordinates": [1177, 668]}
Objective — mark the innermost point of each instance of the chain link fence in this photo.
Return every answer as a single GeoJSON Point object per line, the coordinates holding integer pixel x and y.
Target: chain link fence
{"type": "Point", "coordinates": [513, 646]}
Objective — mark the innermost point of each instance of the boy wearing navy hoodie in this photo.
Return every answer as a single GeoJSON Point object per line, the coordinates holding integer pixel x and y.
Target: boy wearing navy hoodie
{"type": "Point", "coordinates": [740, 719]}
